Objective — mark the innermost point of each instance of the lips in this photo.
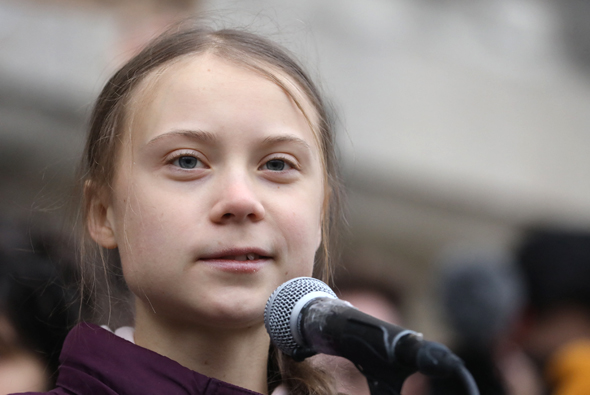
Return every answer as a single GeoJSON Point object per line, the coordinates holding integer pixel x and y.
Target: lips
{"type": "Point", "coordinates": [243, 260]}
{"type": "Point", "coordinates": [243, 257]}
{"type": "Point", "coordinates": [238, 254]}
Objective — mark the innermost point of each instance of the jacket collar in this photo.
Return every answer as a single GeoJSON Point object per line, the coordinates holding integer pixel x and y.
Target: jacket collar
{"type": "Point", "coordinates": [95, 360]}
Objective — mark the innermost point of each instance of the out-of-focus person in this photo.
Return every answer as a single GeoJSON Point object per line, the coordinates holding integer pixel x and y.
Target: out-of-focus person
{"type": "Point", "coordinates": [556, 325]}
{"type": "Point", "coordinates": [36, 310]}
{"type": "Point", "coordinates": [481, 295]}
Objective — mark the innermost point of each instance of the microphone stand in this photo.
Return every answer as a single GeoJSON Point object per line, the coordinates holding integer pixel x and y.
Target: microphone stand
{"type": "Point", "coordinates": [432, 359]}
{"type": "Point", "coordinates": [390, 386]}
{"type": "Point", "coordinates": [387, 377]}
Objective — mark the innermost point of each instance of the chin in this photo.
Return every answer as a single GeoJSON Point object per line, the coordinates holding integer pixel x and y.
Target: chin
{"type": "Point", "coordinates": [232, 322]}
{"type": "Point", "coordinates": [237, 314]}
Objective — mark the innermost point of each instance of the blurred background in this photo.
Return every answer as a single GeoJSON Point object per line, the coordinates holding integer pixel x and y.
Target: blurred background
{"type": "Point", "coordinates": [461, 123]}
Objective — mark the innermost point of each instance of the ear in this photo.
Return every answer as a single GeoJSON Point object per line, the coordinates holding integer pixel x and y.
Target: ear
{"type": "Point", "coordinates": [100, 217]}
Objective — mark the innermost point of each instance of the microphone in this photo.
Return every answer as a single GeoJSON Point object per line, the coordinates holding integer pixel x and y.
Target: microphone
{"type": "Point", "coordinates": [303, 317]}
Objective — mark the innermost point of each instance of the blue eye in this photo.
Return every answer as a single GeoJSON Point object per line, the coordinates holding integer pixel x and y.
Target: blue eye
{"type": "Point", "coordinates": [187, 162]}
{"type": "Point", "coordinates": [276, 165]}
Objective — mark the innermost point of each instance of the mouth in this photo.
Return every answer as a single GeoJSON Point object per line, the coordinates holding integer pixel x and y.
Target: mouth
{"type": "Point", "coordinates": [243, 257]}
{"type": "Point", "coordinates": [238, 260]}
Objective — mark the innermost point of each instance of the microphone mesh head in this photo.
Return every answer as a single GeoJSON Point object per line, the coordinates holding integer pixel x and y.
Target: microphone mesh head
{"type": "Point", "coordinates": [277, 314]}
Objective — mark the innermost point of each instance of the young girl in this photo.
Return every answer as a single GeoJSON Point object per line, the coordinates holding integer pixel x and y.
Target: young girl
{"type": "Point", "coordinates": [210, 171]}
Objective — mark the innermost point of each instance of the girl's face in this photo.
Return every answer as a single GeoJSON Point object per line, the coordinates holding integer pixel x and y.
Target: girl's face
{"type": "Point", "coordinates": [218, 194]}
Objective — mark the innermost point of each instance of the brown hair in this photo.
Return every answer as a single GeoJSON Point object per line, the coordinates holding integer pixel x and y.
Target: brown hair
{"type": "Point", "coordinates": [110, 116]}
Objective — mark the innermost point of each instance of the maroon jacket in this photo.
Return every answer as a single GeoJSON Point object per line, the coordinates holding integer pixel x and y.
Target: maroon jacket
{"type": "Point", "coordinates": [95, 361]}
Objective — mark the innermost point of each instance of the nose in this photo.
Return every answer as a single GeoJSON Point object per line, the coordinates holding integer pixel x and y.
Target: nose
{"type": "Point", "coordinates": [237, 202]}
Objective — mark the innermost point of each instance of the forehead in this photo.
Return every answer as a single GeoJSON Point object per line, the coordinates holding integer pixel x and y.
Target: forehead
{"type": "Point", "coordinates": [210, 73]}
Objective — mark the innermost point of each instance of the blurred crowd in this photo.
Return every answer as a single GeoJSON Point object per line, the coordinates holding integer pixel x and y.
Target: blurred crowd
{"type": "Point", "coordinates": [520, 319]}
{"type": "Point", "coordinates": [38, 305]}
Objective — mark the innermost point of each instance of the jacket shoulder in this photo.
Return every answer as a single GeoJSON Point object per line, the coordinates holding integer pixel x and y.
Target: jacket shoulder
{"type": "Point", "coordinates": [57, 391]}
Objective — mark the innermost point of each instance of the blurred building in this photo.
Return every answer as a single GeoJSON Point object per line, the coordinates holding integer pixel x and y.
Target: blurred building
{"type": "Point", "coordinates": [460, 121]}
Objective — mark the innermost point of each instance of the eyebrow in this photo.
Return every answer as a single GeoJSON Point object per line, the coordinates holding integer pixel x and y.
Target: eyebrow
{"type": "Point", "coordinates": [286, 139]}
{"type": "Point", "coordinates": [208, 137]}
{"type": "Point", "coordinates": [192, 134]}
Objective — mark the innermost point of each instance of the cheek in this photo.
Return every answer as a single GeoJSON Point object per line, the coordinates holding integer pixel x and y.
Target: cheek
{"type": "Point", "coordinates": [145, 223]}
{"type": "Point", "coordinates": [150, 250]}
{"type": "Point", "coordinates": [302, 228]}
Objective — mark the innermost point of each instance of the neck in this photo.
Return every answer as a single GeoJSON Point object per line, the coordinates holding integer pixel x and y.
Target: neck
{"type": "Point", "coordinates": [238, 356]}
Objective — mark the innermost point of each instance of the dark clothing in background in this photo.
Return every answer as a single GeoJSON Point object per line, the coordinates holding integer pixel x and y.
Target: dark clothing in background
{"type": "Point", "coordinates": [96, 361]}
{"type": "Point", "coordinates": [482, 367]}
